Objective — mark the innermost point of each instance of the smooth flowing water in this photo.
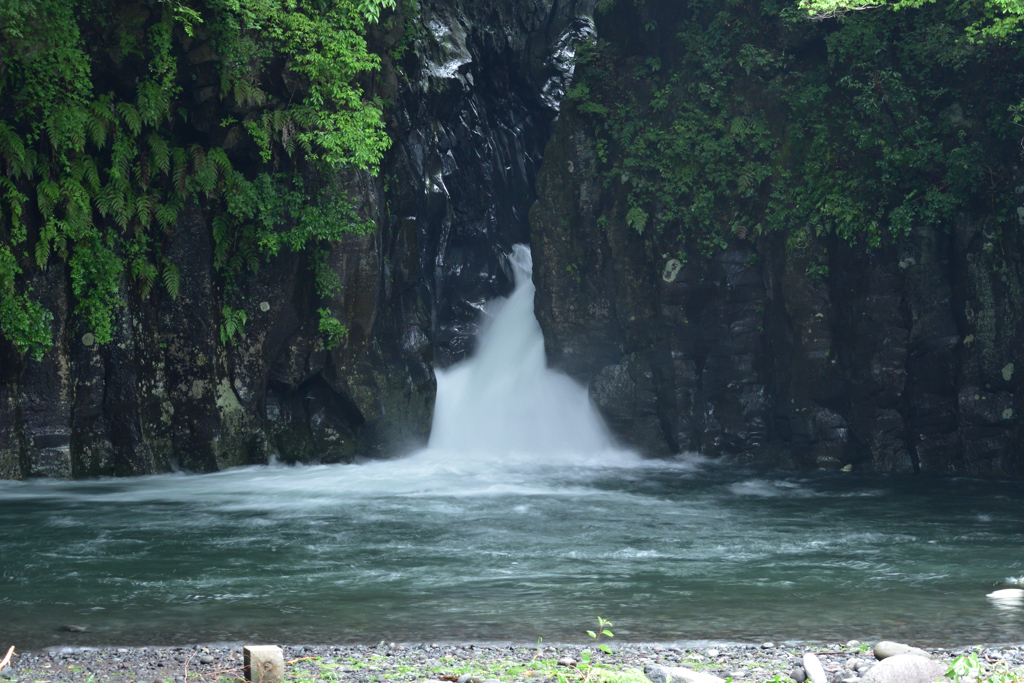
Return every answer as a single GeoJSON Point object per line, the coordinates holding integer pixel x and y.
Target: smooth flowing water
{"type": "Point", "coordinates": [521, 520]}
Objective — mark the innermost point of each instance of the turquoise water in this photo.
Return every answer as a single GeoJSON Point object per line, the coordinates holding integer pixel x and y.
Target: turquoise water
{"type": "Point", "coordinates": [443, 547]}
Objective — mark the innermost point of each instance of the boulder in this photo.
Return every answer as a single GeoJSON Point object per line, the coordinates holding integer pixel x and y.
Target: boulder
{"type": "Point", "coordinates": [887, 648]}
{"type": "Point", "coordinates": [678, 674]}
{"type": "Point", "coordinates": [906, 668]}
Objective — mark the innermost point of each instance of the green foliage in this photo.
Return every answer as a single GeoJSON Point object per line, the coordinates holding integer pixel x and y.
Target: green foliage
{"type": "Point", "coordinates": [995, 19]}
{"type": "Point", "coordinates": [332, 329]}
{"type": "Point", "coordinates": [22, 320]}
{"type": "Point", "coordinates": [98, 162]}
{"type": "Point", "coordinates": [171, 280]}
{"type": "Point", "coordinates": [636, 218]}
{"type": "Point", "coordinates": [278, 211]}
{"type": "Point", "coordinates": [233, 322]}
{"type": "Point", "coordinates": [743, 119]}
{"type": "Point", "coordinates": [325, 47]}
{"type": "Point", "coordinates": [965, 667]}
{"type": "Point", "coordinates": [969, 668]}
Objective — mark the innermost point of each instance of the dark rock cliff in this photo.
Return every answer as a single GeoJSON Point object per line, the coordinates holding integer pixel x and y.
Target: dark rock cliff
{"type": "Point", "coordinates": [471, 107]}
{"type": "Point", "coordinates": [902, 359]}
{"type": "Point", "coordinates": [793, 346]}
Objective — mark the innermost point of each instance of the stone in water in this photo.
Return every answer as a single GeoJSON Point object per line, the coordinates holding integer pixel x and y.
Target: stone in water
{"type": "Point", "coordinates": [1007, 598]}
{"type": "Point", "coordinates": [263, 663]}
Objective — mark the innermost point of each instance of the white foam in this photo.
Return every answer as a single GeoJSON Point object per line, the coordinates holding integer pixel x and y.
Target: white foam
{"type": "Point", "coordinates": [762, 488]}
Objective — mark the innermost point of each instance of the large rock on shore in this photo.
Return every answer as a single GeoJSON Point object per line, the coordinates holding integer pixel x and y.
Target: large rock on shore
{"type": "Point", "coordinates": [678, 674]}
{"type": "Point", "coordinates": [887, 648]}
{"type": "Point", "coordinates": [906, 668]}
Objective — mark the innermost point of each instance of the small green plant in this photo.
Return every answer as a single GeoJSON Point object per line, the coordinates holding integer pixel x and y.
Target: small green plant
{"type": "Point", "coordinates": [965, 667]}
{"type": "Point", "coordinates": [636, 218]}
{"type": "Point", "coordinates": [969, 668]}
{"type": "Point", "coordinates": [602, 625]}
{"type": "Point", "coordinates": [585, 668]}
{"type": "Point", "coordinates": [332, 328]}
{"type": "Point", "coordinates": [817, 271]}
{"type": "Point", "coordinates": [234, 323]}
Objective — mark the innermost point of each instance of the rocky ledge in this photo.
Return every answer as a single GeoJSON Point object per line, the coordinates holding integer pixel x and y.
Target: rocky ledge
{"type": "Point", "coordinates": [886, 662]}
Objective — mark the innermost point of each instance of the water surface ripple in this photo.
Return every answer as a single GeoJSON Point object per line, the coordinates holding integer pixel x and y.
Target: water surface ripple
{"type": "Point", "coordinates": [442, 547]}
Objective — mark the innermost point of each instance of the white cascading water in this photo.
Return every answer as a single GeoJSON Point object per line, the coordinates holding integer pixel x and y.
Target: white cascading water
{"type": "Point", "coordinates": [505, 398]}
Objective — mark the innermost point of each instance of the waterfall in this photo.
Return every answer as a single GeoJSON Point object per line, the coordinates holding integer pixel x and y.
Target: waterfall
{"type": "Point", "coordinates": [505, 398]}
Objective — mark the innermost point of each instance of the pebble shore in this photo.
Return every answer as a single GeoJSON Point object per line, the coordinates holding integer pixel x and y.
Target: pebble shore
{"type": "Point", "coordinates": [447, 662]}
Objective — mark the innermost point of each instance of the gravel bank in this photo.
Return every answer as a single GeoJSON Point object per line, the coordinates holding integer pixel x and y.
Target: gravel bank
{"type": "Point", "coordinates": [431, 661]}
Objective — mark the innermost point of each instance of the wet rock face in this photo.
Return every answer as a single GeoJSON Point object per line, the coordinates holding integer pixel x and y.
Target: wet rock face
{"type": "Point", "coordinates": [898, 360]}
{"type": "Point", "coordinates": [476, 110]}
{"type": "Point", "coordinates": [472, 103]}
